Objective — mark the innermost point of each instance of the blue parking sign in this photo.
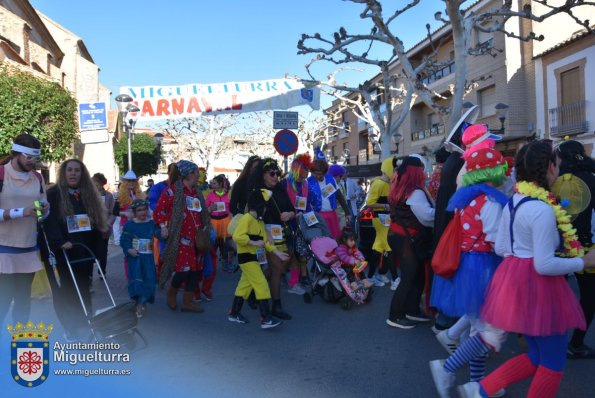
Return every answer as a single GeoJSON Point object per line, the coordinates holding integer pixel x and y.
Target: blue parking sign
{"type": "Point", "coordinates": [92, 116]}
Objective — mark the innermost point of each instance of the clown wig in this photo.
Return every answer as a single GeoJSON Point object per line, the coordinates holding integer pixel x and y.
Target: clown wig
{"type": "Point", "coordinates": [301, 164]}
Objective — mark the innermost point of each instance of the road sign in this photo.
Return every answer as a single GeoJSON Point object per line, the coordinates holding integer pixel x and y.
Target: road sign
{"type": "Point", "coordinates": [92, 116]}
{"type": "Point", "coordinates": [285, 120]}
{"type": "Point", "coordinates": [286, 142]}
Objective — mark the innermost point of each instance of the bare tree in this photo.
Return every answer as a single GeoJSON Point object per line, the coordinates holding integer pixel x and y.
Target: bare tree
{"type": "Point", "coordinates": [399, 82]}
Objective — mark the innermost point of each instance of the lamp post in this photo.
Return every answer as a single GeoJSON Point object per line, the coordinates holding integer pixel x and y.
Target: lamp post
{"type": "Point", "coordinates": [126, 107]}
{"type": "Point", "coordinates": [158, 137]}
{"type": "Point", "coordinates": [501, 111]}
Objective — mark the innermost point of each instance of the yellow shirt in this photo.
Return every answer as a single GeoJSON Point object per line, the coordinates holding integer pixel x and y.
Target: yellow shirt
{"type": "Point", "coordinates": [247, 226]}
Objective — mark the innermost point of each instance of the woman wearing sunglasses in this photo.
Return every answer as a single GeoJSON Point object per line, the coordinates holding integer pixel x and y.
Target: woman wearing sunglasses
{"type": "Point", "coordinates": [279, 211]}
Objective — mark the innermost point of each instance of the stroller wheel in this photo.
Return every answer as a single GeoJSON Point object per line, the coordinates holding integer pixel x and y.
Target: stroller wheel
{"type": "Point", "coordinates": [346, 303]}
{"type": "Point", "coordinates": [307, 297]}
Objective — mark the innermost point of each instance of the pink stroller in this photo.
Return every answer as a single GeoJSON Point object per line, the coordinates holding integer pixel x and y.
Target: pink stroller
{"type": "Point", "coordinates": [332, 280]}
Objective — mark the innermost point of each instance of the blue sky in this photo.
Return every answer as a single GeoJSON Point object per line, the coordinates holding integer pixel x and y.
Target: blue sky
{"type": "Point", "coordinates": [150, 42]}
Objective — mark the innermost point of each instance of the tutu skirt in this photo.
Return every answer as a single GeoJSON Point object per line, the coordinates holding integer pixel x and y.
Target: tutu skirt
{"type": "Point", "coordinates": [464, 293]}
{"type": "Point", "coordinates": [221, 227]}
{"type": "Point", "coordinates": [520, 300]}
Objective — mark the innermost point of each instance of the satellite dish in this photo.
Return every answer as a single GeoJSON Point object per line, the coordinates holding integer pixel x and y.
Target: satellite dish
{"type": "Point", "coordinates": [573, 194]}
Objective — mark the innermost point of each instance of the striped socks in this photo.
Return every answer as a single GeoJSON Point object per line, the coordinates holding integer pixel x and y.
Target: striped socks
{"type": "Point", "coordinates": [472, 349]}
{"type": "Point", "coordinates": [477, 368]}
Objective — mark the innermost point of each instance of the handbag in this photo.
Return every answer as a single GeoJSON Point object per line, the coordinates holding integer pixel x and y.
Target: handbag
{"type": "Point", "coordinates": [202, 240]}
{"type": "Point", "coordinates": [287, 232]}
{"type": "Point", "coordinates": [448, 251]}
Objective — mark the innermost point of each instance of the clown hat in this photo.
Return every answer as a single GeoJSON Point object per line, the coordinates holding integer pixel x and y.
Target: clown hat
{"type": "Point", "coordinates": [468, 117]}
{"type": "Point", "coordinates": [484, 158]}
{"type": "Point", "coordinates": [130, 175]}
{"type": "Point", "coordinates": [476, 134]}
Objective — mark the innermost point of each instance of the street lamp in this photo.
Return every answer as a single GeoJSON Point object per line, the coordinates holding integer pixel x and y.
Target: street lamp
{"type": "Point", "coordinates": [501, 111]}
{"type": "Point", "coordinates": [158, 137]}
{"type": "Point", "coordinates": [127, 108]}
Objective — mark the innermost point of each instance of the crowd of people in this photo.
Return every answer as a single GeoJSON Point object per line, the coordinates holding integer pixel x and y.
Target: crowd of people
{"type": "Point", "coordinates": [482, 248]}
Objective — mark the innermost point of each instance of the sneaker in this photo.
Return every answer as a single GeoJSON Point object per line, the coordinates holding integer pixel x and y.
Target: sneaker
{"type": "Point", "coordinates": [239, 318]}
{"type": "Point", "coordinates": [208, 296]}
{"type": "Point", "coordinates": [500, 393]}
{"type": "Point", "coordinates": [377, 281]}
{"type": "Point", "coordinates": [419, 317]}
{"type": "Point", "coordinates": [296, 289]}
{"type": "Point", "coordinates": [449, 344]}
{"type": "Point", "coordinates": [470, 390]}
{"type": "Point", "coordinates": [197, 299]}
{"type": "Point", "coordinates": [438, 328]}
{"type": "Point", "coordinates": [269, 323]}
{"type": "Point", "coordinates": [403, 323]}
{"type": "Point", "coordinates": [395, 284]}
{"type": "Point", "coordinates": [581, 352]}
{"type": "Point", "coordinates": [443, 380]}
{"type": "Point", "coordinates": [383, 278]}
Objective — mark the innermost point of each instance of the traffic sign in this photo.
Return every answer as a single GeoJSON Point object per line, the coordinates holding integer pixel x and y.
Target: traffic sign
{"type": "Point", "coordinates": [285, 120]}
{"type": "Point", "coordinates": [286, 142]}
{"type": "Point", "coordinates": [92, 116]}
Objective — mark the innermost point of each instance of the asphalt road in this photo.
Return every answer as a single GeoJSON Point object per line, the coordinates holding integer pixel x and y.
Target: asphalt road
{"type": "Point", "coordinates": [323, 351]}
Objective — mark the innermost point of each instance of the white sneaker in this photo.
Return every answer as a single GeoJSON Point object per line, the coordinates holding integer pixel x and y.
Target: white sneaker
{"type": "Point", "coordinates": [323, 281]}
{"type": "Point", "coordinates": [377, 281]}
{"type": "Point", "coordinates": [296, 289]}
{"type": "Point", "coordinates": [383, 278]}
{"type": "Point", "coordinates": [443, 380]}
{"type": "Point", "coordinates": [449, 344]}
{"type": "Point", "coordinates": [395, 284]}
{"type": "Point", "coordinates": [469, 390]}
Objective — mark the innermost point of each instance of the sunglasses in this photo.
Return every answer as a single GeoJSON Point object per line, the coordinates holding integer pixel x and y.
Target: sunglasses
{"type": "Point", "coordinates": [275, 173]}
{"type": "Point", "coordinates": [29, 158]}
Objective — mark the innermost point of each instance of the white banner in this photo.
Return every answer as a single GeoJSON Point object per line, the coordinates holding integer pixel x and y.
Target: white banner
{"type": "Point", "coordinates": [191, 100]}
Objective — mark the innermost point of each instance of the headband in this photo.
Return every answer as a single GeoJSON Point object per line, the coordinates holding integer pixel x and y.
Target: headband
{"type": "Point", "coordinates": [26, 150]}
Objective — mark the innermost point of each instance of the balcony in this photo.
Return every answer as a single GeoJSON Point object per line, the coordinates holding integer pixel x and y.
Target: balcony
{"type": "Point", "coordinates": [332, 138]}
{"type": "Point", "coordinates": [437, 129]}
{"type": "Point", "coordinates": [439, 74]}
{"type": "Point", "coordinates": [568, 119]}
{"type": "Point", "coordinates": [343, 133]}
{"type": "Point", "coordinates": [361, 124]}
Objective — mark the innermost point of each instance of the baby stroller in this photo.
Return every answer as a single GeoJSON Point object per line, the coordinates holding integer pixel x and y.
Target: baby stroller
{"type": "Point", "coordinates": [331, 281]}
{"type": "Point", "coordinates": [117, 323]}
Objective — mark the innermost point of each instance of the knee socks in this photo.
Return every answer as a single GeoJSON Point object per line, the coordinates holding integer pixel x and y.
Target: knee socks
{"type": "Point", "coordinates": [545, 383]}
{"type": "Point", "coordinates": [477, 368]}
{"type": "Point", "coordinates": [513, 370]}
{"type": "Point", "coordinates": [294, 276]}
{"type": "Point", "coordinates": [472, 349]}
{"type": "Point", "coordinates": [456, 331]}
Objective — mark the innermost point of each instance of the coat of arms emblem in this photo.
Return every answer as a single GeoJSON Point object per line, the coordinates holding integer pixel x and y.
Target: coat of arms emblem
{"type": "Point", "coordinates": [30, 353]}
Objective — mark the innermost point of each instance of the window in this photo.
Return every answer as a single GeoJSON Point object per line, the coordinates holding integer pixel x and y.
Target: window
{"type": "Point", "coordinates": [345, 144]}
{"type": "Point", "coordinates": [570, 91]}
{"type": "Point", "coordinates": [485, 37]}
{"type": "Point", "coordinates": [487, 101]}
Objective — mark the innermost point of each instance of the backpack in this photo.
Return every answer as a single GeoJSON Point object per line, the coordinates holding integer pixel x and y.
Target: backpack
{"type": "Point", "coordinates": [37, 175]}
{"type": "Point", "coordinates": [445, 261]}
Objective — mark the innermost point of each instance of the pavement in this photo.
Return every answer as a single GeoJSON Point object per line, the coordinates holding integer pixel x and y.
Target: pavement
{"type": "Point", "coordinates": [323, 351]}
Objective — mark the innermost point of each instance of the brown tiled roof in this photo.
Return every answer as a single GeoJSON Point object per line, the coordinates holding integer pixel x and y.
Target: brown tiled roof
{"type": "Point", "coordinates": [575, 37]}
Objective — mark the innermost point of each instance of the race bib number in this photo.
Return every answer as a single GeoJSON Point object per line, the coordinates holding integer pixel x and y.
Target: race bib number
{"type": "Point", "coordinates": [275, 230]}
{"type": "Point", "coordinates": [193, 204]}
{"type": "Point", "coordinates": [143, 246]}
{"type": "Point", "coordinates": [300, 203]}
{"type": "Point", "coordinates": [384, 219]}
{"type": "Point", "coordinates": [261, 256]}
{"type": "Point", "coordinates": [78, 223]}
{"type": "Point", "coordinates": [328, 190]}
{"type": "Point", "coordinates": [220, 206]}
{"type": "Point", "coordinates": [310, 218]}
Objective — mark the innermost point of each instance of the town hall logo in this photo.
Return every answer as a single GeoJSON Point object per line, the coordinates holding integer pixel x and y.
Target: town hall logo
{"type": "Point", "coordinates": [30, 353]}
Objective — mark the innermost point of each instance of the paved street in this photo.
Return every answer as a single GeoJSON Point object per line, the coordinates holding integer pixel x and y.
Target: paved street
{"type": "Point", "coordinates": [323, 352]}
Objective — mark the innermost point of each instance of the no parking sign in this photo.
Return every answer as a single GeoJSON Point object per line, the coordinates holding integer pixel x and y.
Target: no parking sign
{"type": "Point", "coordinates": [286, 142]}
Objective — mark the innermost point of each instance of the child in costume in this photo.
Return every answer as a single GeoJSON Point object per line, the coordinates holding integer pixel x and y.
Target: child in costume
{"type": "Point", "coordinates": [528, 293]}
{"type": "Point", "coordinates": [479, 204]}
{"type": "Point", "coordinates": [218, 204]}
{"type": "Point", "coordinates": [252, 243]}
{"type": "Point", "coordinates": [137, 244]}
{"type": "Point", "coordinates": [352, 260]}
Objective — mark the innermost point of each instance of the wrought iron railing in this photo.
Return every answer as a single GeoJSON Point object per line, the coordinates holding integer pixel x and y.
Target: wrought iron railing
{"type": "Point", "coordinates": [435, 130]}
{"type": "Point", "coordinates": [439, 74]}
{"type": "Point", "coordinates": [568, 119]}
